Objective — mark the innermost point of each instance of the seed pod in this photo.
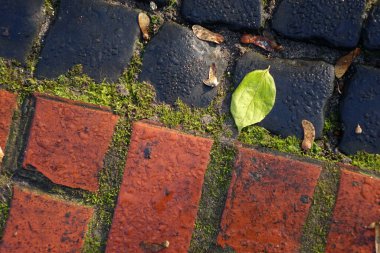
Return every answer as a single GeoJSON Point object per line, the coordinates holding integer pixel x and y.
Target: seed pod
{"type": "Point", "coordinates": [309, 135]}
{"type": "Point", "coordinates": [207, 35]}
{"type": "Point", "coordinates": [358, 129]}
{"type": "Point", "coordinates": [1, 155]}
{"type": "Point", "coordinates": [144, 22]}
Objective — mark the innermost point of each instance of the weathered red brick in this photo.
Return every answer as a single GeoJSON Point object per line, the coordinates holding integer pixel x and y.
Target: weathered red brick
{"type": "Point", "coordinates": [268, 202]}
{"type": "Point", "coordinates": [39, 223]}
{"type": "Point", "coordinates": [161, 188]}
{"type": "Point", "coordinates": [357, 206]}
{"type": "Point", "coordinates": [8, 103]}
{"type": "Point", "coordinates": [68, 141]}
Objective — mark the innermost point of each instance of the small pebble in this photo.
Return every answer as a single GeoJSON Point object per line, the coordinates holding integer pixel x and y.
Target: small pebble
{"type": "Point", "coordinates": [153, 6]}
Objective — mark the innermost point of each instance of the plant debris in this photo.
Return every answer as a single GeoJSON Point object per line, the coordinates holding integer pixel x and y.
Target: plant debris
{"type": "Point", "coordinates": [253, 99]}
{"type": "Point", "coordinates": [358, 129]}
{"type": "Point", "coordinates": [212, 80]}
{"type": "Point", "coordinates": [345, 62]}
{"type": "Point", "coordinates": [144, 22]}
{"type": "Point", "coordinates": [1, 155]}
{"type": "Point", "coordinates": [154, 247]}
{"type": "Point", "coordinates": [309, 135]}
{"type": "Point", "coordinates": [207, 35]}
{"type": "Point", "coordinates": [263, 42]}
{"type": "Point", "coordinates": [376, 226]}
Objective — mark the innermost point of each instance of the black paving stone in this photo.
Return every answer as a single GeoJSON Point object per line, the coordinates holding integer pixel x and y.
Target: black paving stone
{"type": "Point", "coordinates": [20, 22]}
{"type": "Point", "coordinates": [361, 105]}
{"type": "Point", "coordinates": [303, 88]}
{"type": "Point", "coordinates": [371, 35]}
{"type": "Point", "coordinates": [335, 22]}
{"type": "Point", "coordinates": [237, 14]}
{"type": "Point", "coordinates": [176, 63]}
{"type": "Point", "coordinates": [93, 33]}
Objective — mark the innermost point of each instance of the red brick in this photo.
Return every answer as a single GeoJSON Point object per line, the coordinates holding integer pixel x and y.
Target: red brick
{"type": "Point", "coordinates": [357, 206]}
{"type": "Point", "coordinates": [39, 223]}
{"type": "Point", "coordinates": [68, 142]}
{"type": "Point", "coordinates": [160, 192]}
{"type": "Point", "coordinates": [268, 203]}
{"type": "Point", "coordinates": [8, 103]}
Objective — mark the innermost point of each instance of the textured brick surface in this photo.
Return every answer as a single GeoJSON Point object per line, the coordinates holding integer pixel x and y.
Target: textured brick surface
{"type": "Point", "coordinates": [8, 104]}
{"type": "Point", "coordinates": [39, 223]}
{"type": "Point", "coordinates": [358, 205]}
{"type": "Point", "coordinates": [68, 142]}
{"type": "Point", "coordinates": [160, 192]}
{"type": "Point", "coordinates": [98, 35]}
{"type": "Point", "coordinates": [20, 23]}
{"type": "Point", "coordinates": [268, 202]}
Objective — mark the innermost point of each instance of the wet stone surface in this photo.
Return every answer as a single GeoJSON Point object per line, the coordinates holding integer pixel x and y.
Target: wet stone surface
{"type": "Point", "coordinates": [98, 35]}
{"type": "Point", "coordinates": [20, 22]}
{"type": "Point", "coordinates": [356, 208]}
{"type": "Point", "coordinates": [68, 142]}
{"type": "Point", "coordinates": [303, 88]}
{"type": "Point", "coordinates": [176, 63]}
{"type": "Point", "coordinates": [335, 22]}
{"type": "Point", "coordinates": [361, 105]}
{"type": "Point", "coordinates": [236, 14]}
{"type": "Point", "coordinates": [8, 103]}
{"type": "Point", "coordinates": [371, 35]}
{"type": "Point", "coordinates": [268, 202]}
{"type": "Point", "coordinates": [160, 192]}
{"type": "Point", "coordinates": [39, 223]}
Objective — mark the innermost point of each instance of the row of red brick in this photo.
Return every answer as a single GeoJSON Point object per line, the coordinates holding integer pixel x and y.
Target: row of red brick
{"type": "Point", "coordinates": [267, 205]}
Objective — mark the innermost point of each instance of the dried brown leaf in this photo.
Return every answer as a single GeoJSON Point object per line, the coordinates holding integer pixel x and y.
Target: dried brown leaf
{"type": "Point", "coordinates": [207, 35]}
{"type": "Point", "coordinates": [263, 42]}
{"type": "Point", "coordinates": [1, 155]}
{"type": "Point", "coordinates": [309, 135]}
{"type": "Point", "coordinates": [154, 247]}
{"type": "Point", "coordinates": [144, 22]}
{"type": "Point", "coordinates": [345, 62]}
{"type": "Point", "coordinates": [212, 80]}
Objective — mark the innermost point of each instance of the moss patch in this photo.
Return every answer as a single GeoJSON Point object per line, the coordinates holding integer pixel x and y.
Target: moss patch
{"type": "Point", "coordinates": [214, 192]}
{"type": "Point", "coordinates": [317, 225]}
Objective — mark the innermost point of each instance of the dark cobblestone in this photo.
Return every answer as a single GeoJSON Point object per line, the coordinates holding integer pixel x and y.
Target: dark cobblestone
{"type": "Point", "coordinates": [237, 14]}
{"type": "Point", "coordinates": [176, 63]}
{"type": "Point", "coordinates": [361, 105]}
{"type": "Point", "coordinates": [20, 22]}
{"type": "Point", "coordinates": [333, 21]}
{"type": "Point", "coordinates": [98, 35]}
{"type": "Point", "coordinates": [371, 35]}
{"type": "Point", "coordinates": [303, 88]}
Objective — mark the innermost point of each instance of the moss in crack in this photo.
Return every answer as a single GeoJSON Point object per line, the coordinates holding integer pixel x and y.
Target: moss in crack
{"type": "Point", "coordinates": [214, 193]}
{"type": "Point", "coordinates": [317, 226]}
{"type": "Point", "coordinates": [368, 162]}
{"type": "Point", "coordinates": [5, 196]}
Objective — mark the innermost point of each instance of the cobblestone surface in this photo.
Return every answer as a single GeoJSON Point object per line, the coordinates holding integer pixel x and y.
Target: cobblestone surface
{"type": "Point", "coordinates": [302, 91]}
{"type": "Point", "coordinates": [267, 204]}
{"type": "Point", "coordinates": [361, 106]}
{"type": "Point", "coordinates": [20, 22]}
{"type": "Point", "coordinates": [372, 30]}
{"type": "Point", "coordinates": [39, 223]}
{"type": "Point", "coordinates": [356, 208]}
{"type": "Point", "coordinates": [67, 142]}
{"type": "Point", "coordinates": [8, 104]}
{"type": "Point", "coordinates": [237, 14]}
{"type": "Point", "coordinates": [160, 192]}
{"type": "Point", "coordinates": [95, 34]}
{"type": "Point", "coordinates": [176, 63]}
{"type": "Point", "coordinates": [333, 21]}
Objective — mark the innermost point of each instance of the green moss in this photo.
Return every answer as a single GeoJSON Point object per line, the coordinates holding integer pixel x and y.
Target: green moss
{"type": "Point", "coordinates": [5, 194]}
{"type": "Point", "coordinates": [366, 161]}
{"type": "Point", "coordinates": [214, 192]}
{"type": "Point", "coordinates": [317, 225]}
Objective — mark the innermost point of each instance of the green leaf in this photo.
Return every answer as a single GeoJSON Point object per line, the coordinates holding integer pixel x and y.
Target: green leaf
{"type": "Point", "coordinates": [253, 99]}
